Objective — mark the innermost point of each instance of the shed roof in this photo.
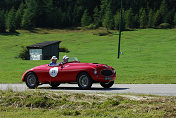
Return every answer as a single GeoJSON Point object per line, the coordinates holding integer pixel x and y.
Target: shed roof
{"type": "Point", "coordinates": [43, 44]}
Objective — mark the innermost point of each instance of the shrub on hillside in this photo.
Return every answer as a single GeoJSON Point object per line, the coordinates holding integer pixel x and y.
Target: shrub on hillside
{"type": "Point", "coordinates": [164, 26]}
{"type": "Point", "coordinates": [102, 33]}
{"type": "Point", "coordinates": [63, 49]}
{"type": "Point", "coordinates": [24, 54]}
{"type": "Point", "coordinates": [91, 26]}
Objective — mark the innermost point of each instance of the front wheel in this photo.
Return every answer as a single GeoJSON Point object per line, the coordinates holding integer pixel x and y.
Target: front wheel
{"type": "Point", "coordinates": [107, 85]}
{"type": "Point", "coordinates": [31, 80]}
{"type": "Point", "coordinates": [84, 81]}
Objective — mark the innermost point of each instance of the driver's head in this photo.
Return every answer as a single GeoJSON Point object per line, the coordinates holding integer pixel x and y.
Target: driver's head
{"type": "Point", "coordinates": [54, 59]}
{"type": "Point", "coordinates": [65, 59]}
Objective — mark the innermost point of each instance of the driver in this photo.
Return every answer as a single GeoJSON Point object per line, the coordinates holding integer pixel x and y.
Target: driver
{"type": "Point", "coordinates": [53, 61]}
{"type": "Point", "coordinates": [65, 59]}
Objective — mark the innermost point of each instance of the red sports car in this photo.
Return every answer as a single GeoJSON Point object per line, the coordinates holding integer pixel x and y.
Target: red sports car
{"type": "Point", "coordinates": [84, 74]}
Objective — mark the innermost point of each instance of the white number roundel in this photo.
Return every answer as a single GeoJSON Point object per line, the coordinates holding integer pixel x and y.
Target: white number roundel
{"type": "Point", "coordinates": [53, 72]}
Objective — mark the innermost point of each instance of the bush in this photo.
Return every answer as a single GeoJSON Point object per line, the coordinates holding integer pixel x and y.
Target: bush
{"type": "Point", "coordinates": [24, 54]}
{"type": "Point", "coordinates": [63, 49]}
{"type": "Point", "coordinates": [103, 33]}
{"type": "Point", "coordinates": [91, 26]}
{"type": "Point", "coordinates": [164, 26]}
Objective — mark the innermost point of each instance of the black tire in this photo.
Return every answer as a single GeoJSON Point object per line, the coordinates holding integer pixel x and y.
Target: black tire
{"type": "Point", "coordinates": [54, 85]}
{"type": "Point", "coordinates": [107, 85]}
{"type": "Point", "coordinates": [84, 81]}
{"type": "Point", "coordinates": [31, 80]}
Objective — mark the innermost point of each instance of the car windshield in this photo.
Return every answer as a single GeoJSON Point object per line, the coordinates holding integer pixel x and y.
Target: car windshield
{"type": "Point", "coordinates": [73, 59]}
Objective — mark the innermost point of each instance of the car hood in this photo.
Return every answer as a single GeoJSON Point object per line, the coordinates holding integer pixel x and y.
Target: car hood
{"type": "Point", "coordinates": [39, 67]}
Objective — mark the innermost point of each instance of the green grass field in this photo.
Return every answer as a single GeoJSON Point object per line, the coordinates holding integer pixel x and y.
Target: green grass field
{"type": "Point", "coordinates": [149, 55]}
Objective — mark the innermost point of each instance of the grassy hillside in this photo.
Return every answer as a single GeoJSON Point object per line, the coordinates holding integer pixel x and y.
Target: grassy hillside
{"type": "Point", "coordinates": [149, 55]}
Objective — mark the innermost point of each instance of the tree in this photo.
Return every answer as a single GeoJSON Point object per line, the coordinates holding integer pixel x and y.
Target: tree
{"type": "Point", "coordinates": [157, 18]}
{"type": "Point", "coordinates": [108, 19]}
{"type": "Point", "coordinates": [136, 21]}
{"type": "Point", "coordinates": [96, 17]}
{"type": "Point", "coordinates": [103, 5]}
{"type": "Point", "coordinates": [55, 18]}
{"type": "Point", "coordinates": [129, 19]}
{"type": "Point", "coordinates": [11, 26]}
{"type": "Point", "coordinates": [175, 19]}
{"type": "Point", "coordinates": [143, 18]}
{"type": "Point", "coordinates": [43, 9]}
{"type": "Point", "coordinates": [117, 21]}
{"type": "Point", "coordinates": [150, 18]}
{"type": "Point", "coordinates": [86, 19]}
{"type": "Point", "coordinates": [28, 21]}
{"type": "Point", "coordinates": [2, 22]}
{"type": "Point", "coordinates": [163, 11]}
{"type": "Point", "coordinates": [18, 17]}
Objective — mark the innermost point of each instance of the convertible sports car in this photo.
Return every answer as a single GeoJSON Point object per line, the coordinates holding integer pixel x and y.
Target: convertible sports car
{"type": "Point", "coordinates": [84, 74]}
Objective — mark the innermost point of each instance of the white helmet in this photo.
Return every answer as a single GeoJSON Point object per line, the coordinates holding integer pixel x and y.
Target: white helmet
{"type": "Point", "coordinates": [53, 58]}
{"type": "Point", "coordinates": [65, 57]}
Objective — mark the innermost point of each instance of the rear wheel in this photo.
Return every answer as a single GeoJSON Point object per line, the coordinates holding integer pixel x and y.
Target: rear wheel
{"type": "Point", "coordinates": [54, 85]}
{"type": "Point", "coordinates": [84, 81]}
{"type": "Point", "coordinates": [31, 80]}
{"type": "Point", "coordinates": [107, 85]}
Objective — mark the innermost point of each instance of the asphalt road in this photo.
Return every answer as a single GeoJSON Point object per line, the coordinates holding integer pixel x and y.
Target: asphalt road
{"type": "Point", "coordinates": [150, 89]}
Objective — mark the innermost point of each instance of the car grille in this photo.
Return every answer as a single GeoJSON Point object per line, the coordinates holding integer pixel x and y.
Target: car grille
{"type": "Point", "coordinates": [106, 73]}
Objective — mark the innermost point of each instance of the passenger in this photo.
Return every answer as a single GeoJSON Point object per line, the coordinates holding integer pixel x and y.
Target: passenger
{"type": "Point", "coordinates": [53, 61]}
{"type": "Point", "coordinates": [65, 59]}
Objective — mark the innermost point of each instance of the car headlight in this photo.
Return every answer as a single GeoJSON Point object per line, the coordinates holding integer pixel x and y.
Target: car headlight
{"type": "Point", "coordinates": [95, 72]}
{"type": "Point", "coordinates": [114, 71]}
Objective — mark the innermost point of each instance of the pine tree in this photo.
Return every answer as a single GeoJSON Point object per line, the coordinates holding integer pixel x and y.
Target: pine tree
{"type": "Point", "coordinates": [157, 18]}
{"type": "Point", "coordinates": [163, 11]}
{"type": "Point", "coordinates": [117, 21]}
{"type": "Point", "coordinates": [175, 19]}
{"type": "Point", "coordinates": [86, 19]}
{"type": "Point", "coordinates": [96, 17]}
{"type": "Point", "coordinates": [129, 19]}
{"type": "Point", "coordinates": [143, 18]}
{"type": "Point", "coordinates": [103, 5]}
{"type": "Point", "coordinates": [108, 19]}
{"type": "Point", "coordinates": [11, 26]}
{"type": "Point", "coordinates": [136, 21]}
{"type": "Point", "coordinates": [30, 13]}
{"type": "Point", "coordinates": [43, 8]}
{"type": "Point", "coordinates": [2, 22]}
{"type": "Point", "coordinates": [18, 17]}
{"type": "Point", "coordinates": [150, 18]}
{"type": "Point", "coordinates": [55, 18]}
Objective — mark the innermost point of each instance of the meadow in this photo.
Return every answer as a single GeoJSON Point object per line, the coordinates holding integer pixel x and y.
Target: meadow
{"type": "Point", "coordinates": [148, 55]}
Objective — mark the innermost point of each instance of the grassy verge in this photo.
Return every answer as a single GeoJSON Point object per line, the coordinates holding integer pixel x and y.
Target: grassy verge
{"type": "Point", "coordinates": [149, 55]}
{"type": "Point", "coordinates": [48, 104]}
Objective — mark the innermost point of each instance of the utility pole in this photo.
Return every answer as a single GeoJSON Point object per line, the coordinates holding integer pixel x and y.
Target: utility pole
{"type": "Point", "coordinates": [120, 29]}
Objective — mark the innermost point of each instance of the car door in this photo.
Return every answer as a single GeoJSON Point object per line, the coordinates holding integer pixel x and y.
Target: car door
{"type": "Point", "coordinates": [54, 73]}
{"type": "Point", "coordinates": [68, 73]}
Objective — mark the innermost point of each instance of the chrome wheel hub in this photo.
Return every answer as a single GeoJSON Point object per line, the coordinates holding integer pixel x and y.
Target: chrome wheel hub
{"type": "Point", "coordinates": [83, 81]}
{"type": "Point", "coordinates": [31, 80]}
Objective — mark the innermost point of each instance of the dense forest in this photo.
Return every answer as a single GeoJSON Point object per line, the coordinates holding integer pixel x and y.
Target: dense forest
{"type": "Point", "coordinates": [28, 14]}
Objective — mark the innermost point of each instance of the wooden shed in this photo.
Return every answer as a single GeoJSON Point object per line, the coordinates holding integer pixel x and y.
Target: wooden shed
{"type": "Point", "coordinates": [44, 50]}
